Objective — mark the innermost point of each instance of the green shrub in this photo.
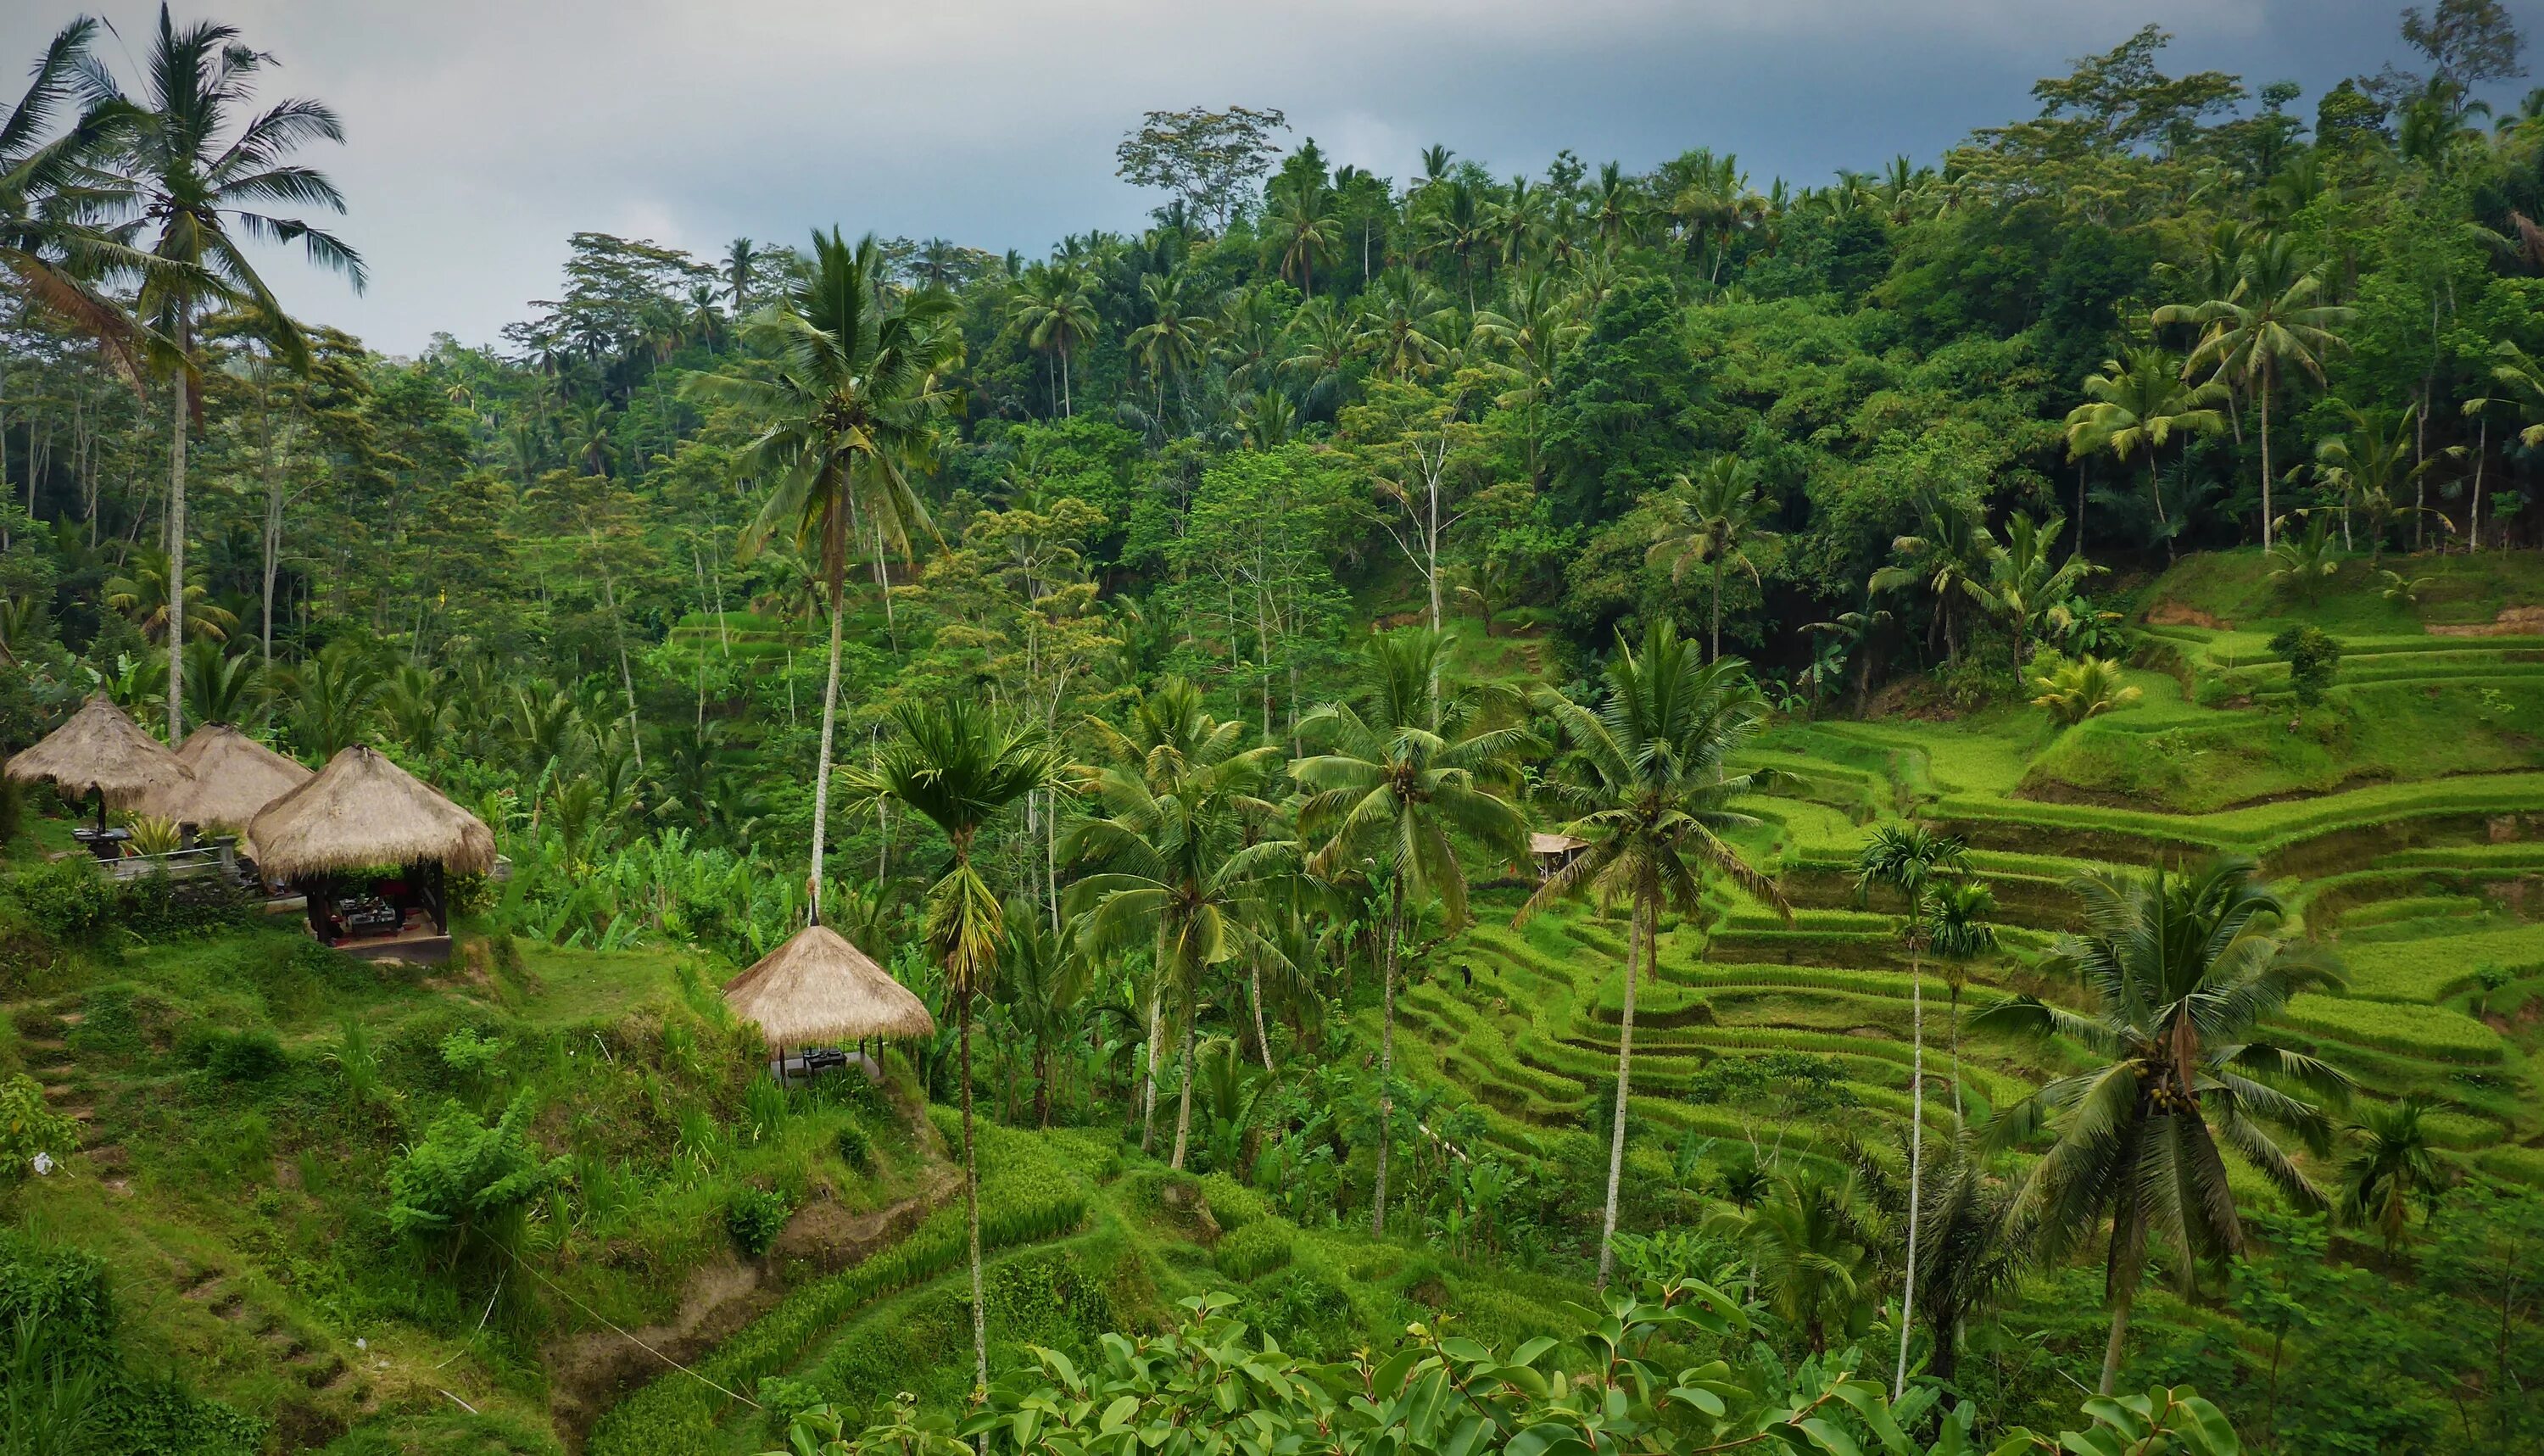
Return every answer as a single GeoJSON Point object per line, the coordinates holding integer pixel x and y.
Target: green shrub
{"type": "Point", "coordinates": [856, 1149]}
{"type": "Point", "coordinates": [2313, 659]}
{"type": "Point", "coordinates": [30, 1131]}
{"type": "Point", "coordinates": [754, 1216]}
{"type": "Point", "coordinates": [156, 907]}
{"type": "Point", "coordinates": [245, 1056]}
{"type": "Point", "coordinates": [1231, 1204]}
{"type": "Point", "coordinates": [1256, 1248]}
{"type": "Point", "coordinates": [66, 898]}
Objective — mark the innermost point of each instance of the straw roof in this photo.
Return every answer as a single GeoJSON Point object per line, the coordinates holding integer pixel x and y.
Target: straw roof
{"type": "Point", "coordinates": [817, 989]}
{"type": "Point", "coordinates": [362, 810]}
{"type": "Point", "coordinates": [100, 748]}
{"type": "Point", "coordinates": [235, 777]}
{"type": "Point", "coordinates": [1554, 844]}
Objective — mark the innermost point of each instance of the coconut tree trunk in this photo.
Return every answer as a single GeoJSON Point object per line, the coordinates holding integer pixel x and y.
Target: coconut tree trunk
{"type": "Point", "coordinates": [1717, 610]}
{"type": "Point", "coordinates": [1254, 987]}
{"type": "Point", "coordinates": [2473, 510]}
{"type": "Point", "coordinates": [2265, 472]}
{"type": "Point", "coordinates": [1148, 1092]}
{"type": "Point", "coordinates": [822, 785]}
{"type": "Point", "coordinates": [1916, 1157]}
{"type": "Point", "coordinates": [1183, 1102]}
{"type": "Point", "coordinates": [2155, 488]}
{"type": "Point", "coordinates": [2125, 1258]}
{"type": "Point", "coordinates": [972, 1204]}
{"type": "Point", "coordinates": [176, 555]}
{"type": "Point", "coordinates": [1635, 951]}
{"type": "Point", "coordinates": [1387, 1064]}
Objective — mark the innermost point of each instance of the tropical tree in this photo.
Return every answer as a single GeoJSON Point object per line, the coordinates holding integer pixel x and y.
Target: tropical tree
{"type": "Point", "coordinates": [1177, 338]}
{"type": "Point", "coordinates": [1972, 1258]}
{"type": "Point", "coordinates": [48, 247]}
{"type": "Point", "coordinates": [195, 185]}
{"type": "Point", "coordinates": [2182, 970]}
{"type": "Point", "coordinates": [2022, 585]}
{"type": "Point", "coordinates": [2134, 406]}
{"type": "Point", "coordinates": [2086, 688]}
{"type": "Point", "coordinates": [959, 768]}
{"type": "Point", "coordinates": [1950, 549]}
{"type": "Point", "coordinates": [1410, 760]}
{"type": "Point", "coordinates": [1042, 981]}
{"type": "Point", "coordinates": [1959, 934]}
{"type": "Point", "coordinates": [1810, 1253]}
{"type": "Point", "coordinates": [1711, 519]}
{"type": "Point", "coordinates": [1055, 312]}
{"type": "Point", "coordinates": [2368, 463]}
{"type": "Point", "coordinates": [2273, 322]}
{"type": "Point", "coordinates": [1912, 861]}
{"type": "Point", "coordinates": [1301, 224]}
{"type": "Point", "coordinates": [1174, 864]}
{"type": "Point", "coordinates": [2389, 1168]}
{"type": "Point", "coordinates": [1648, 776]}
{"type": "Point", "coordinates": [855, 406]}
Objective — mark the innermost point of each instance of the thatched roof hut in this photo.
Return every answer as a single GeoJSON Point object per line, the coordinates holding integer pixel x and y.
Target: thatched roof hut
{"type": "Point", "coordinates": [101, 749]}
{"type": "Point", "coordinates": [818, 989]}
{"type": "Point", "coordinates": [361, 811]}
{"type": "Point", "coordinates": [234, 778]}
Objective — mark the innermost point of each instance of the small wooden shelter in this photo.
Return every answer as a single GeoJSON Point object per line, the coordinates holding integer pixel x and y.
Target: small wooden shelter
{"type": "Point", "coordinates": [819, 990]}
{"type": "Point", "coordinates": [101, 750]}
{"type": "Point", "coordinates": [1553, 852]}
{"type": "Point", "coordinates": [234, 777]}
{"type": "Point", "coordinates": [363, 813]}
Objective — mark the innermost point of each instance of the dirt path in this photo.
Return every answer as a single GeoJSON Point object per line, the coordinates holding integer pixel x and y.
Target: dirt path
{"type": "Point", "coordinates": [587, 1373]}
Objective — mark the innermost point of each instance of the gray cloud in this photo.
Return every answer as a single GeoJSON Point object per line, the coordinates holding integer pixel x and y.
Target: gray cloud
{"type": "Point", "coordinates": [482, 133]}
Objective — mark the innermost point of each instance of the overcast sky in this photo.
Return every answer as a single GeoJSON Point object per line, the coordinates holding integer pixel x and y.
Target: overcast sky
{"type": "Point", "coordinates": [481, 133]}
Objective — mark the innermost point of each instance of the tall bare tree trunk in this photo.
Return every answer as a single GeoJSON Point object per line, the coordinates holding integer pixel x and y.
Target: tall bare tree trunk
{"type": "Point", "coordinates": [971, 1210]}
{"type": "Point", "coordinates": [1916, 1156]}
{"type": "Point", "coordinates": [1254, 986]}
{"type": "Point", "coordinates": [1635, 938]}
{"type": "Point", "coordinates": [1387, 1064]}
{"type": "Point", "coordinates": [1183, 1108]}
{"type": "Point", "coordinates": [822, 797]}
{"type": "Point", "coordinates": [177, 559]}
{"type": "Point", "coordinates": [2124, 1295]}
{"type": "Point", "coordinates": [1148, 1093]}
{"type": "Point", "coordinates": [2265, 464]}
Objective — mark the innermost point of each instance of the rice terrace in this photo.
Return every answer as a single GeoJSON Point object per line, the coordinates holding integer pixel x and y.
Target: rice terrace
{"type": "Point", "coordinates": [1399, 800]}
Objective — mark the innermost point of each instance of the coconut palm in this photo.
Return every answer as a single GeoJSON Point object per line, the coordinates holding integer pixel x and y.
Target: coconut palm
{"type": "Point", "coordinates": [1951, 548]}
{"type": "Point", "coordinates": [2390, 1167]}
{"type": "Point", "coordinates": [2136, 404]}
{"type": "Point", "coordinates": [1810, 1252]}
{"type": "Point", "coordinates": [48, 245]}
{"type": "Point", "coordinates": [141, 594]}
{"type": "Point", "coordinates": [1973, 1258]}
{"type": "Point", "coordinates": [1912, 861]}
{"type": "Point", "coordinates": [1301, 226]}
{"type": "Point", "coordinates": [1041, 983]}
{"type": "Point", "coordinates": [1177, 338]}
{"type": "Point", "coordinates": [195, 184]}
{"type": "Point", "coordinates": [960, 768]}
{"type": "Point", "coordinates": [2368, 463]}
{"type": "Point", "coordinates": [854, 408]}
{"type": "Point", "coordinates": [1411, 759]}
{"type": "Point", "coordinates": [2271, 323]}
{"type": "Point", "coordinates": [1174, 864]}
{"type": "Point", "coordinates": [2022, 586]}
{"type": "Point", "coordinates": [1711, 519]}
{"type": "Point", "coordinates": [1959, 934]}
{"type": "Point", "coordinates": [1649, 778]}
{"type": "Point", "coordinates": [1054, 311]}
{"type": "Point", "coordinates": [1401, 324]}
{"type": "Point", "coordinates": [2183, 969]}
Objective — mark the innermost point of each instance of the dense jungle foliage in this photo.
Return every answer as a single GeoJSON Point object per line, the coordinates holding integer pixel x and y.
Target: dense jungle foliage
{"type": "Point", "coordinates": [2022, 667]}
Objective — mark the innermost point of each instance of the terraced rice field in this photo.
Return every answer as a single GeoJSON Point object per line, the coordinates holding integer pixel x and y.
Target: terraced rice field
{"type": "Point", "coordinates": [2418, 884]}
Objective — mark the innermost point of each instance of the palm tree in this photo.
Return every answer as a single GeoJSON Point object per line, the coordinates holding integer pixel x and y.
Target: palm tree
{"type": "Point", "coordinates": [1810, 1252]}
{"type": "Point", "coordinates": [1176, 339]}
{"type": "Point", "coordinates": [2389, 1168]}
{"type": "Point", "coordinates": [1974, 1257]}
{"type": "Point", "coordinates": [742, 263]}
{"type": "Point", "coordinates": [47, 245]}
{"type": "Point", "coordinates": [2021, 584]}
{"type": "Point", "coordinates": [1400, 323]}
{"type": "Point", "coordinates": [1912, 860]}
{"type": "Point", "coordinates": [1042, 982]}
{"type": "Point", "coordinates": [1053, 309]}
{"type": "Point", "coordinates": [1301, 226]}
{"type": "Point", "coordinates": [1460, 223]}
{"type": "Point", "coordinates": [141, 594]}
{"type": "Point", "coordinates": [1952, 549]}
{"type": "Point", "coordinates": [1174, 864]}
{"type": "Point", "coordinates": [2368, 462]}
{"type": "Point", "coordinates": [1958, 935]}
{"type": "Point", "coordinates": [1649, 773]}
{"type": "Point", "coordinates": [2273, 322]}
{"type": "Point", "coordinates": [857, 400]}
{"type": "Point", "coordinates": [959, 768]}
{"type": "Point", "coordinates": [1407, 762]}
{"type": "Point", "coordinates": [195, 185]}
{"type": "Point", "coordinates": [2134, 405]}
{"type": "Point", "coordinates": [2183, 969]}
{"type": "Point", "coordinates": [1711, 519]}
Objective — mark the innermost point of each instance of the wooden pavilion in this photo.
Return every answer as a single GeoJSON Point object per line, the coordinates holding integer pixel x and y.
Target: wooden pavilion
{"type": "Point", "coordinates": [232, 778]}
{"type": "Point", "coordinates": [100, 753]}
{"type": "Point", "coordinates": [372, 846]}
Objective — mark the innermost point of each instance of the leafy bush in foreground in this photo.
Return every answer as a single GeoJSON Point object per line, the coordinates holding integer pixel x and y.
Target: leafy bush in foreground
{"type": "Point", "coordinates": [1209, 1387]}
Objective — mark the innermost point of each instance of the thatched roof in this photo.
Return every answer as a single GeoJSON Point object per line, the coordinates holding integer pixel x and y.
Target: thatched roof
{"type": "Point", "coordinates": [359, 811]}
{"type": "Point", "coordinates": [100, 748]}
{"type": "Point", "coordinates": [235, 777]}
{"type": "Point", "coordinates": [818, 989]}
{"type": "Point", "coordinates": [1554, 844]}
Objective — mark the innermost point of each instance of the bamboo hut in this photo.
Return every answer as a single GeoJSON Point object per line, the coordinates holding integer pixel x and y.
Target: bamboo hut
{"type": "Point", "coordinates": [363, 814]}
{"type": "Point", "coordinates": [1553, 852]}
{"type": "Point", "coordinates": [819, 990]}
{"type": "Point", "coordinates": [234, 778]}
{"type": "Point", "coordinates": [101, 752]}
